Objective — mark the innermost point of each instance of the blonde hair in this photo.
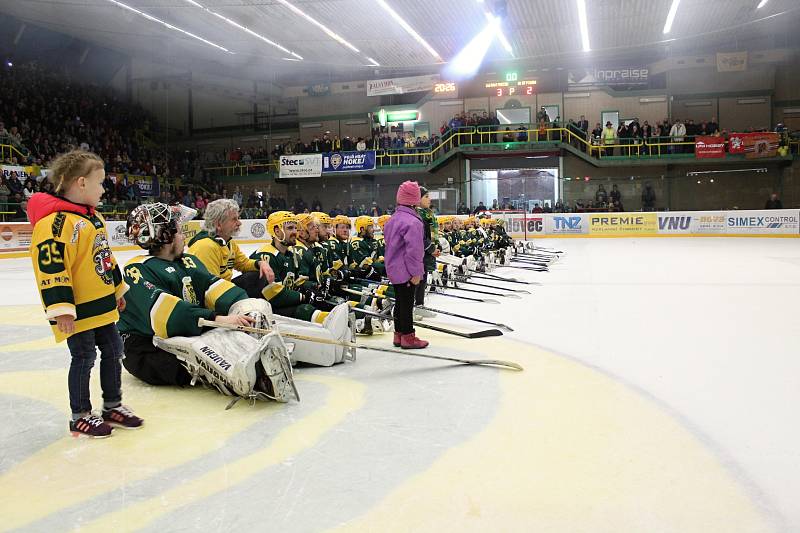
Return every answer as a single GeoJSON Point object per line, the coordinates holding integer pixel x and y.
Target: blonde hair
{"type": "Point", "coordinates": [70, 166]}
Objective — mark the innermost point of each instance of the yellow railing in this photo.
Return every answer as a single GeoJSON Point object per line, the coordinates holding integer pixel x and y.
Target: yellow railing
{"type": "Point", "coordinates": [7, 152]}
{"type": "Point", "coordinates": [656, 147]}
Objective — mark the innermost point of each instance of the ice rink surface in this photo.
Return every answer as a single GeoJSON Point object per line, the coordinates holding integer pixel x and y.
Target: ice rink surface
{"type": "Point", "coordinates": [660, 392]}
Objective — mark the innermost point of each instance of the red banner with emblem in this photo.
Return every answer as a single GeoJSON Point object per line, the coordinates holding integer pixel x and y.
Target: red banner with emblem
{"type": "Point", "coordinates": [754, 145]}
{"type": "Point", "coordinates": [709, 147]}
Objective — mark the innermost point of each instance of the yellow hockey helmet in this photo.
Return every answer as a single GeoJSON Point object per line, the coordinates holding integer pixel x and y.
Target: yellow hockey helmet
{"type": "Point", "coordinates": [341, 219]}
{"type": "Point", "coordinates": [304, 219]}
{"type": "Point", "coordinates": [383, 219]}
{"type": "Point", "coordinates": [322, 218]}
{"type": "Point", "coordinates": [363, 222]}
{"type": "Point", "coordinates": [279, 218]}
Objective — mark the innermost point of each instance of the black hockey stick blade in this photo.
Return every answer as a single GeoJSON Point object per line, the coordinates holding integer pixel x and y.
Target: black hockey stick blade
{"type": "Point", "coordinates": [479, 300]}
{"type": "Point", "coordinates": [515, 296]}
{"type": "Point", "coordinates": [533, 269]}
{"type": "Point", "coordinates": [467, 282]}
{"type": "Point", "coordinates": [538, 258]}
{"type": "Point", "coordinates": [465, 317]}
{"type": "Point", "coordinates": [543, 250]}
{"type": "Point", "coordinates": [472, 335]}
{"type": "Point", "coordinates": [504, 280]}
{"type": "Point", "coordinates": [529, 261]}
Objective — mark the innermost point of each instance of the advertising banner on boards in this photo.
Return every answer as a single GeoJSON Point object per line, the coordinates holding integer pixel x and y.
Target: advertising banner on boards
{"type": "Point", "coordinates": [348, 161]}
{"type": "Point", "coordinates": [623, 223]}
{"type": "Point", "coordinates": [762, 221]}
{"type": "Point", "coordinates": [301, 166]}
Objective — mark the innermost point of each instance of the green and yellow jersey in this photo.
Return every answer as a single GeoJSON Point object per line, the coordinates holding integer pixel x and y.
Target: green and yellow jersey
{"type": "Point", "coordinates": [167, 297]}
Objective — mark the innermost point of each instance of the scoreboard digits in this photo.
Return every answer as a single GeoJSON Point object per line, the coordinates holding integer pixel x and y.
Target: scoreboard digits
{"type": "Point", "coordinates": [514, 90]}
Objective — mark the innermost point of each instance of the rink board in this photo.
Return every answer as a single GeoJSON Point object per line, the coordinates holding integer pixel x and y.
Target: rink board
{"type": "Point", "coordinates": [15, 237]}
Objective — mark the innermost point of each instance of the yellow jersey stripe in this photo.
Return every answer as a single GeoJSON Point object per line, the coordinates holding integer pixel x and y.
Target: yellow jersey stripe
{"type": "Point", "coordinates": [217, 289]}
{"type": "Point", "coordinates": [160, 313]}
{"type": "Point", "coordinates": [272, 290]}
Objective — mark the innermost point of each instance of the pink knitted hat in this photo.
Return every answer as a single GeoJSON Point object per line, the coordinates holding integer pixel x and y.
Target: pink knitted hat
{"type": "Point", "coordinates": [408, 193]}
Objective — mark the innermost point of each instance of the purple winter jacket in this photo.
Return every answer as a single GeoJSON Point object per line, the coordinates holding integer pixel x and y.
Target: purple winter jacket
{"type": "Point", "coordinates": [404, 245]}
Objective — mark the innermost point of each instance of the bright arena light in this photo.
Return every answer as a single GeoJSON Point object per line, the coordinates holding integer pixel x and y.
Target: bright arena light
{"type": "Point", "coordinates": [469, 59]}
{"type": "Point", "coordinates": [246, 30]}
{"type": "Point", "coordinates": [500, 35]}
{"type": "Point", "coordinates": [168, 25]}
{"type": "Point", "coordinates": [673, 9]}
{"type": "Point", "coordinates": [584, 24]}
{"type": "Point", "coordinates": [406, 26]}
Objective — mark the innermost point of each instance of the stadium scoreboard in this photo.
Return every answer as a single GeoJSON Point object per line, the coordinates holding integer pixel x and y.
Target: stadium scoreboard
{"type": "Point", "coordinates": [511, 85]}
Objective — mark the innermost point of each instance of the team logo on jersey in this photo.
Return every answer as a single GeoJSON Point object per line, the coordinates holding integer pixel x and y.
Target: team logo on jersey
{"type": "Point", "coordinates": [188, 293]}
{"type": "Point", "coordinates": [101, 254]}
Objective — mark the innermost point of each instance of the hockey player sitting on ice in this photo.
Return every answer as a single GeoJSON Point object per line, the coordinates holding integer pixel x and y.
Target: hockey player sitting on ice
{"type": "Point", "coordinates": [382, 220]}
{"type": "Point", "coordinates": [365, 250]}
{"type": "Point", "coordinates": [292, 294]}
{"type": "Point", "coordinates": [215, 247]}
{"type": "Point", "coordinates": [170, 291]}
{"type": "Point", "coordinates": [339, 242]}
{"type": "Point", "coordinates": [314, 264]}
{"type": "Point", "coordinates": [313, 257]}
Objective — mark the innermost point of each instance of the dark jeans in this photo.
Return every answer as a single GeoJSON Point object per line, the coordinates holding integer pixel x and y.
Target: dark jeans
{"type": "Point", "coordinates": [404, 307]}
{"type": "Point", "coordinates": [83, 349]}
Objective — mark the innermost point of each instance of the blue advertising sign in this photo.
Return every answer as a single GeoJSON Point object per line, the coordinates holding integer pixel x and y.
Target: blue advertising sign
{"type": "Point", "coordinates": [348, 161]}
{"type": "Point", "coordinates": [148, 186]}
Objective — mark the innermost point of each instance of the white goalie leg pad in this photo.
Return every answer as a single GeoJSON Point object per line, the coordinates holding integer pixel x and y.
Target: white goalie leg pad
{"type": "Point", "coordinates": [436, 277]}
{"type": "Point", "coordinates": [335, 327]}
{"type": "Point", "coordinates": [226, 360]}
{"type": "Point", "coordinates": [221, 358]}
{"type": "Point", "coordinates": [450, 260]}
{"type": "Point", "coordinates": [444, 246]}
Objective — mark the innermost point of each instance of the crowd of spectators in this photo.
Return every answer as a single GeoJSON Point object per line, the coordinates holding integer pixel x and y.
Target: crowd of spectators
{"type": "Point", "coordinates": [43, 113]}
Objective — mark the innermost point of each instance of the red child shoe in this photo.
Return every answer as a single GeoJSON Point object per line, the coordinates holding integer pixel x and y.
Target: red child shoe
{"type": "Point", "coordinates": [410, 341]}
{"type": "Point", "coordinates": [123, 417]}
{"type": "Point", "coordinates": [91, 426]}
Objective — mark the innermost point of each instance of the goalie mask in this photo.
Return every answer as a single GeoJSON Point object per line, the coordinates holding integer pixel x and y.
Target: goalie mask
{"type": "Point", "coordinates": [153, 225]}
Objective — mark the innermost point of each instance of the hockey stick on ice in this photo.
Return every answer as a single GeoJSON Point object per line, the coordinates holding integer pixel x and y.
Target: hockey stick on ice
{"type": "Point", "coordinates": [465, 317]}
{"type": "Point", "coordinates": [516, 296]}
{"type": "Point", "coordinates": [465, 282]}
{"type": "Point", "coordinates": [479, 300]}
{"type": "Point", "coordinates": [466, 335]}
{"type": "Point", "coordinates": [247, 329]}
{"type": "Point", "coordinates": [490, 277]}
